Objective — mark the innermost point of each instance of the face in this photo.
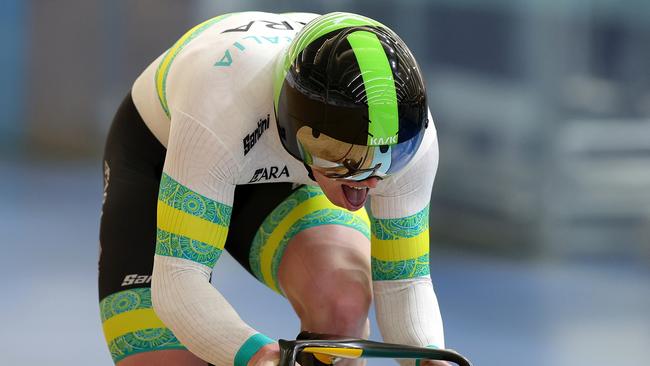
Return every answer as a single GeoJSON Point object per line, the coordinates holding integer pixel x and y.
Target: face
{"type": "Point", "coordinates": [342, 160]}
{"type": "Point", "coordinates": [343, 193]}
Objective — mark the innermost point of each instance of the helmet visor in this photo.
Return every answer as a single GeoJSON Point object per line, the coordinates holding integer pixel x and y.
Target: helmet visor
{"type": "Point", "coordinates": [341, 160]}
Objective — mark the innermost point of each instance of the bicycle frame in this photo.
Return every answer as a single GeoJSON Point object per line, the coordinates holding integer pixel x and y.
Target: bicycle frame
{"type": "Point", "coordinates": [361, 348]}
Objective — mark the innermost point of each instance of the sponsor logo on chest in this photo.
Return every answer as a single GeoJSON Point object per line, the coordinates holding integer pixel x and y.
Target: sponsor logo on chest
{"type": "Point", "coordinates": [273, 172]}
{"type": "Point", "coordinates": [251, 139]}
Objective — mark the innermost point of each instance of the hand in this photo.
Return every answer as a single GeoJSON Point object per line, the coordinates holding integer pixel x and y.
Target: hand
{"type": "Point", "coordinates": [268, 355]}
{"type": "Point", "coordinates": [433, 363]}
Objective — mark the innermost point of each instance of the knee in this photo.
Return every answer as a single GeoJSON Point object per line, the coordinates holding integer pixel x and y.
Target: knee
{"type": "Point", "coordinates": [339, 304]}
{"type": "Point", "coordinates": [325, 273]}
{"type": "Point", "coordinates": [348, 313]}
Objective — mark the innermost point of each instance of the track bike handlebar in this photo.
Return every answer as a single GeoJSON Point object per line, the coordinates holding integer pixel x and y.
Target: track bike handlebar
{"type": "Point", "coordinates": [357, 348]}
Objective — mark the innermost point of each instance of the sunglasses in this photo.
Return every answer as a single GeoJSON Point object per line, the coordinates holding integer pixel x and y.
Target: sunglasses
{"type": "Point", "coordinates": [350, 170]}
{"type": "Point", "coordinates": [339, 160]}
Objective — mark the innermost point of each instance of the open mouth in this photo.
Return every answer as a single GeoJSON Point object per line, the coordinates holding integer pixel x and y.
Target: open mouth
{"type": "Point", "coordinates": [356, 196]}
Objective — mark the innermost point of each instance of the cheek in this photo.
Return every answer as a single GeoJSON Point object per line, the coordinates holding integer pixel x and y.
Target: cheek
{"type": "Point", "coordinates": [331, 191]}
{"type": "Point", "coordinates": [327, 185]}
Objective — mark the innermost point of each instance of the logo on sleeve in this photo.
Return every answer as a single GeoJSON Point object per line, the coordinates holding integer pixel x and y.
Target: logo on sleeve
{"type": "Point", "coordinates": [251, 139]}
{"type": "Point", "coordinates": [136, 279]}
{"type": "Point", "coordinates": [264, 174]}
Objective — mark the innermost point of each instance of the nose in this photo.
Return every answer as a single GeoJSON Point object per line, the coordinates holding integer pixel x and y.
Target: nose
{"type": "Point", "coordinates": [371, 182]}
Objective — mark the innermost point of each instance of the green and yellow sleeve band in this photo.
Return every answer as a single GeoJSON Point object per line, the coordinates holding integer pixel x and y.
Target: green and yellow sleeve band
{"type": "Point", "coordinates": [190, 226]}
{"type": "Point", "coordinates": [400, 247]}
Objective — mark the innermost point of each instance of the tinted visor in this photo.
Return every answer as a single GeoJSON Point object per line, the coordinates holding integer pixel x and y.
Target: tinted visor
{"type": "Point", "coordinates": [341, 160]}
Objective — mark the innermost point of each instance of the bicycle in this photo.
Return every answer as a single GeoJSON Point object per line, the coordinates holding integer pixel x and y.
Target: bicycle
{"type": "Point", "coordinates": [352, 348]}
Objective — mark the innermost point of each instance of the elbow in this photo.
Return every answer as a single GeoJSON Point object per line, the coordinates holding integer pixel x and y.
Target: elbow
{"type": "Point", "coordinates": [157, 300]}
{"type": "Point", "coordinates": [160, 301]}
{"type": "Point", "coordinates": [173, 286]}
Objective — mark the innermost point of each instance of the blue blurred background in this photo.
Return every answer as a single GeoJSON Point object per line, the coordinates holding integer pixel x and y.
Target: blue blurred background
{"type": "Point", "coordinates": [540, 218]}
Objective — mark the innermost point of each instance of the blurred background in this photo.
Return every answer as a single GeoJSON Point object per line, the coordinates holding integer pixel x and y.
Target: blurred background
{"type": "Point", "coordinates": [540, 216]}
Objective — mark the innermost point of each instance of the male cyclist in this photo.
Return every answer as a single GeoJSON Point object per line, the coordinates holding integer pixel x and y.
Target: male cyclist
{"type": "Point", "coordinates": [264, 135]}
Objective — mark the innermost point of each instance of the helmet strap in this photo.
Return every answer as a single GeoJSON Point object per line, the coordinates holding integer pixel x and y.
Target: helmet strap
{"type": "Point", "coordinates": [310, 172]}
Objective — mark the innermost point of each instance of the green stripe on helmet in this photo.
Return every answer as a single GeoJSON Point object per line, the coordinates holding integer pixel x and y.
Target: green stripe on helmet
{"type": "Point", "coordinates": [380, 88]}
{"type": "Point", "coordinates": [311, 32]}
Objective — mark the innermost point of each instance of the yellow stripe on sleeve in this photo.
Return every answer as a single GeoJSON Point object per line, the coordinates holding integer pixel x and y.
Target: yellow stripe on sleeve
{"type": "Point", "coordinates": [181, 223]}
{"type": "Point", "coordinates": [129, 322]}
{"type": "Point", "coordinates": [400, 249]}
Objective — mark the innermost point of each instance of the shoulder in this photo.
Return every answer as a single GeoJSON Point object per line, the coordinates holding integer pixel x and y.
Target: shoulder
{"type": "Point", "coordinates": [230, 42]}
{"type": "Point", "coordinates": [419, 172]}
{"type": "Point", "coordinates": [221, 79]}
{"type": "Point", "coordinates": [224, 66]}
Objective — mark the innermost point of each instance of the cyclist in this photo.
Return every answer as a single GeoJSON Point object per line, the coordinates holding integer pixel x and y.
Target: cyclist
{"type": "Point", "coordinates": [264, 135]}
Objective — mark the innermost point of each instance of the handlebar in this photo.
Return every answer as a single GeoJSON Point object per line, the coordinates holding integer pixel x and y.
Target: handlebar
{"type": "Point", "coordinates": [361, 348]}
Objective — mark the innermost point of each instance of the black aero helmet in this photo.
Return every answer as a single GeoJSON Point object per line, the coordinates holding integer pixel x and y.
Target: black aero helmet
{"type": "Point", "coordinates": [349, 98]}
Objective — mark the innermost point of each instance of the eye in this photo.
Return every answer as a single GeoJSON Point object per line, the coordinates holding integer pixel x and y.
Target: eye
{"type": "Point", "coordinates": [315, 133]}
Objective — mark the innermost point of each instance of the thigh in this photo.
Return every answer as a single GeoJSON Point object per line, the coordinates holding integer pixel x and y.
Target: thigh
{"type": "Point", "coordinates": [326, 262]}
{"type": "Point", "coordinates": [132, 166]}
{"type": "Point", "coordinates": [307, 213]}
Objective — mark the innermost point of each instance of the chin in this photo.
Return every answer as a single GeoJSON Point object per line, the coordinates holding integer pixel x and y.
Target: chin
{"type": "Point", "coordinates": [340, 202]}
{"type": "Point", "coordinates": [337, 200]}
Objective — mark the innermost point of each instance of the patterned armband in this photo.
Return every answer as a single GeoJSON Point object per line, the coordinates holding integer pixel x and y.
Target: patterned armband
{"type": "Point", "coordinates": [400, 247]}
{"type": "Point", "coordinates": [131, 326]}
{"type": "Point", "coordinates": [190, 226]}
{"type": "Point", "coordinates": [250, 347]}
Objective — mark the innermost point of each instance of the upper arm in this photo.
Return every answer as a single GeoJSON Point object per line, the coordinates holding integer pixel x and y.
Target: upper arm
{"type": "Point", "coordinates": [196, 193]}
{"type": "Point", "coordinates": [399, 218]}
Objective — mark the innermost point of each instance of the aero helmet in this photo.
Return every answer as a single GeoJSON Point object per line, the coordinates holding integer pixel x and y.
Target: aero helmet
{"type": "Point", "coordinates": [349, 98]}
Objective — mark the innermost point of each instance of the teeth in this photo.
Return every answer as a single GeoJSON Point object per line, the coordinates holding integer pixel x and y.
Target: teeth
{"type": "Point", "coordinates": [358, 188]}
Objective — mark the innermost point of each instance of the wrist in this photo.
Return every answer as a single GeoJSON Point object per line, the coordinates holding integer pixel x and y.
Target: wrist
{"type": "Point", "coordinates": [267, 355]}
{"type": "Point", "coordinates": [251, 347]}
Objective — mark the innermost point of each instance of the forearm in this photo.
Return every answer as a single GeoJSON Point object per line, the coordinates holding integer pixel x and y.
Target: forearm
{"type": "Point", "coordinates": [199, 315]}
{"type": "Point", "coordinates": [408, 312]}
